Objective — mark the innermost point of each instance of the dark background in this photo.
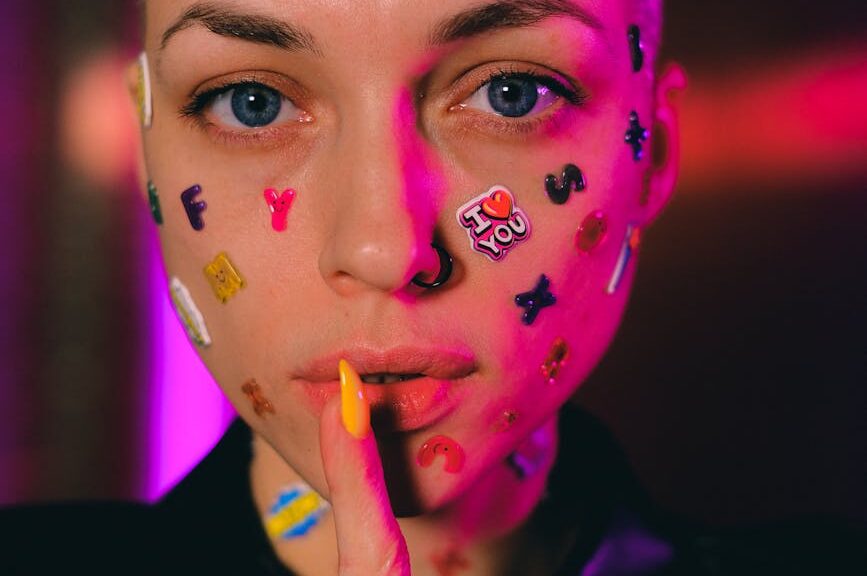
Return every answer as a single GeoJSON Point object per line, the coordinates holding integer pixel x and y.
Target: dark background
{"type": "Point", "coordinates": [737, 383]}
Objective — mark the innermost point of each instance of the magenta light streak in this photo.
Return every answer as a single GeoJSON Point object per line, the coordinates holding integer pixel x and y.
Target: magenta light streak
{"type": "Point", "coordinates": [187, 411]}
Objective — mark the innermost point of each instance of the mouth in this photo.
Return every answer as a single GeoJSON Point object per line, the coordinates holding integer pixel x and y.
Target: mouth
{"type": "Point", "coordinates": [408, 388]}
{"type": "Point", "coordinates": [389, 378]}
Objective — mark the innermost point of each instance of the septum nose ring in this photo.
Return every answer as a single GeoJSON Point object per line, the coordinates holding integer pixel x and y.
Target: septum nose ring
{"type": "Point", "coordinates": [445, 271]}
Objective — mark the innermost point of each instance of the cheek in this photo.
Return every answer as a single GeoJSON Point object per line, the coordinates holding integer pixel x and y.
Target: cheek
{"type": "Point", "coordinates": [580, 267]}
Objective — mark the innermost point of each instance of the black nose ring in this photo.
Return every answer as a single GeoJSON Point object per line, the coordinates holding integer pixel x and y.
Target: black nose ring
{"type": "Point", "coordinates": [445, 271]}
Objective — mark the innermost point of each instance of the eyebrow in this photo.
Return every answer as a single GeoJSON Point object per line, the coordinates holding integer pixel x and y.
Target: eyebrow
{"type": "Point", "coordinates": [508, 14]}
{"type": "Point", "coordinates": [256, 28]}
{"type": "Point", "coordinates": [269, 31]}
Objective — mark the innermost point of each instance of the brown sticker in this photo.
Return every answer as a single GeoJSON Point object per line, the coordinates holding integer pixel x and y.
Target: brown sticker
{"type": "Point", "coordinates": [450, 562]}
{"type": "Point", "coordinates": [505, 421]}
{"type": "Point", "coordinates": [253, 392]}
{"type": "Point", "coordinates": [555, 361]}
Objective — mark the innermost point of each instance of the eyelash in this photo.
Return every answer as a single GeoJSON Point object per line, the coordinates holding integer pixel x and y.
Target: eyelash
{"type": "Point", "coordinates": [194, 110]}
{"type": "Point", "coordinates": [576, 97]}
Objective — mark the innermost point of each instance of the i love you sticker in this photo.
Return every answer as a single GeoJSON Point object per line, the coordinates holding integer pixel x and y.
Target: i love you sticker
{"type": "Point", "coordinates": [494, 223]}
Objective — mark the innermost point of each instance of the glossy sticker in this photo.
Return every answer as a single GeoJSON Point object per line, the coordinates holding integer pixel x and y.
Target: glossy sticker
{"type": "Point", "coordinates": [189, 313]}
{"type": "Point", "coordinates": [535, 300]}
{"type": "Point", "coordinates": [154, 201]}
{"type": "Point", "coordinates": [591, 232]}
{"type": "Point", "coordinates": [636, 48]}
{"type": "Point", "coordinates": [143, 93]}
{"type": "Point", "coordinates": [572, 180]}
{"type": "Point", "coordinates": [630, 245]}
{"type": "Point", "coordinates": [295, 512]}
{"type": "Point", "coordinates": [279, 205]}
{"type": "Point", "coordinates": [254, 394]}
{"type": "Point", "coordinates": [494, 224]}
{"type": "Point", "coordinates": [555, 361]}
{"type": "Point", "coordinates": [443, 446]}
{"type": "Point", "coordinates": [194, 208]}
{"type": "Point", "coordinates": [506, 420]}
{"type": "Point", "coordinates": [636, 135]}
{"type": "Point", "coordinates": [224, 278]}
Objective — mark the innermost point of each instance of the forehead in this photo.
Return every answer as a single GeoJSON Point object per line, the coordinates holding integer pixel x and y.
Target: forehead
{"type": "Point", "coordinates": [386, 18]}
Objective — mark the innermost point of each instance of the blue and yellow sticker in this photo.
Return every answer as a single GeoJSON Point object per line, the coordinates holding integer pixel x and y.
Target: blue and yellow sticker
{"type": "Point", "coordinates": [295, 512]}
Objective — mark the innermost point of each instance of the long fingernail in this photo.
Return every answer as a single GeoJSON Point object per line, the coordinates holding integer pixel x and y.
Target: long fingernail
{"type": "Point", "coordinates": [356, 410]}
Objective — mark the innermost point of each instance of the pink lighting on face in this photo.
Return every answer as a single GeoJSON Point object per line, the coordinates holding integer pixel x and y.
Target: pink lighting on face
{"type": "Point", "coordinates": [188, 413]}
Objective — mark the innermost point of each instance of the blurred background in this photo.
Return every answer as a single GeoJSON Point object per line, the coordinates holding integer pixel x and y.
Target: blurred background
{"type": "Point", "coordinates": [737, 385]}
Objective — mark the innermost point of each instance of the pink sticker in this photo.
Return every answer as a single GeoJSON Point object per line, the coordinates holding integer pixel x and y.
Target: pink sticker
{"type": "Point", "coordinates": [493, 222]}
{"type": "Point", "coordinates": [443, 446]}
{"type": "Point", "coordinates": [279, 206]}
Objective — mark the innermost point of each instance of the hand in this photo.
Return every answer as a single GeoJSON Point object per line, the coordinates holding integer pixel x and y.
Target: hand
{"type": "Point", "coordinates": [369, 540]}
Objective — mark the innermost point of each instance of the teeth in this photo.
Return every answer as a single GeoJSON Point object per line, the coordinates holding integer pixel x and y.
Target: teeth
{"type": "Point", "coordinates": [387, 378]}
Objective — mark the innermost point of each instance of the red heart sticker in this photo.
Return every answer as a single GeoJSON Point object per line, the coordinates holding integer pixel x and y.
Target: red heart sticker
{"type": "Point", "coordinates": [498, 206]}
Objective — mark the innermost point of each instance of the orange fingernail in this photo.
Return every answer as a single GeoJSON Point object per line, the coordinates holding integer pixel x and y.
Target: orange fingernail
{"type": "Point", "coordinates": [356, 410]}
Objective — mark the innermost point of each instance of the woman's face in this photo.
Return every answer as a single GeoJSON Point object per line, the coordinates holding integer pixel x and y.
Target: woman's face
{"type": "Point", "coordinates": [386, 119]}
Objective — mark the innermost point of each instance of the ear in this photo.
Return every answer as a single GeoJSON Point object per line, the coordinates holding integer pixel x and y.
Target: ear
{"type": "Point", "coordinates": [661, 177]}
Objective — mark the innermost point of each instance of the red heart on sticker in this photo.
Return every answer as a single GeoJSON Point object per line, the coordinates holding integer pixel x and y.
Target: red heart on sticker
{"type": "Point", "coordinates": [498, 206]}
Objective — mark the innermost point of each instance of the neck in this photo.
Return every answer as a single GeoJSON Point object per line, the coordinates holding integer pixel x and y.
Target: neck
{"type": "Point", "coordinates": [483, 531]}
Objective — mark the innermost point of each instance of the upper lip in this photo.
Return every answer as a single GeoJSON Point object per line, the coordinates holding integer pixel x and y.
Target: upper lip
{"type": "Point", "coordinates": [432, 362]}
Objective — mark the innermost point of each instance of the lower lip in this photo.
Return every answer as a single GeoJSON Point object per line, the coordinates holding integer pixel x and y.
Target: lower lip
{"type": "Point", "coordinates": [399, 406]}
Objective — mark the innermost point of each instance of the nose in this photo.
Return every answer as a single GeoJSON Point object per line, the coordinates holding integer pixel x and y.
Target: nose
{"type": "Point", "coordinates": [384, 203]}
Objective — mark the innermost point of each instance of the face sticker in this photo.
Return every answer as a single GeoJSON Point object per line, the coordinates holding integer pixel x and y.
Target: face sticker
{"type": "Point", "coordinates": [443, 446]}
{"type": "Point", "coordinates": [450, 562]}
{"type": "Point", "coordinates": [143, 94]}
{"type": "Point", "coordinates": [636, 48]}
{"type": "Point", "coordinates": [493, 223]}
{"type": "Point", "coordinates": [253, 392]}
{"type": "Point", "coordinates": [224, 278]}
{"type": "Point", "coordinates": [532, 455]}
{"type": "Point", "coordinates": [505, 421]}
{"type": "Point", "coordinates": [295, 512]}
{"type": "Point", "coordinates": [279, 206]}
{"type": "Point", "coordinates": [194, 209]}
{"type": "Point", "coordinates": [536, 299]}
{"type": "Point", "coordinates": [635, 136]}
{"type": "Point", "coordinates": [154, 201]}
{"type": "Point", "coordinates": [630, 245]}
{"type": "Point", "coordinates": [573, 179]}
{"type": "Point", "coordinates": [555, 360]}
{"type": "Point", "coordinates": [189, 313]}
{"type": "Point", "coordinates": [591, 232]}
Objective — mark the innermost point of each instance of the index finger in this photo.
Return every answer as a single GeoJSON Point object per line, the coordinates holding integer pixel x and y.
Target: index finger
{"type": "Point", "coordinates": [369, 539]}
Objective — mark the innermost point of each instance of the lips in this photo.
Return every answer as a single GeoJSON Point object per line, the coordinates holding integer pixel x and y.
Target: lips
{"type": "Point", "coordinates": [408, 388]}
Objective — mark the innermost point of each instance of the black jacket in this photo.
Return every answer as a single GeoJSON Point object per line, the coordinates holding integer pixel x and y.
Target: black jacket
{"type": "Point", "coordinates": [209, 525]}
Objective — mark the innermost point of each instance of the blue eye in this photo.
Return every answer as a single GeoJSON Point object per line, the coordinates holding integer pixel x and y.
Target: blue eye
{"type": "Point", "coordinates": [513, 96]}
{"type": "Point", "coordinates": [516, 95]}
{"type": "Point", "coordinates": [255, 105]}
{"type": "Point", "coordinates": [245, 105]}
